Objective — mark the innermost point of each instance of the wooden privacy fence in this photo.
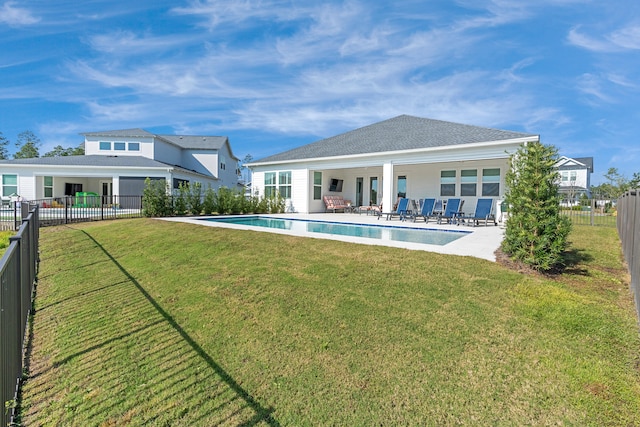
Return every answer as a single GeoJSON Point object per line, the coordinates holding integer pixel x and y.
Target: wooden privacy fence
{"type": "Point", "coordinates": [18, 272]}
{"type": "Point", "coordinates": [629, 232]}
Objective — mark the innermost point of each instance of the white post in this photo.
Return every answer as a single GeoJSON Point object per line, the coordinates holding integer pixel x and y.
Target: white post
{"type": "Point", "coordinates": [388, 198]}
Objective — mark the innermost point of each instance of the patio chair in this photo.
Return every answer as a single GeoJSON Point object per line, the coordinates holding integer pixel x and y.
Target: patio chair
{"type": "Point", "coordinates": [426, 210]}
{"type": "Point", "coordinates": [401, 211]}
{"type": "Point", "coordinates": [484, 209]}
{"type": "Point", "coordinates": [452, 212]}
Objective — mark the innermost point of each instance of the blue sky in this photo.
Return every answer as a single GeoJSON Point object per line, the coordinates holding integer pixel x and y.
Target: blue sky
{"type": "Point", "coordinates": [274, 75]}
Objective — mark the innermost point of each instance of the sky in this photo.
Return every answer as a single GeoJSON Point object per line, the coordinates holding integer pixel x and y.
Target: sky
{"type": "Point", "coordinates": [274, 75]}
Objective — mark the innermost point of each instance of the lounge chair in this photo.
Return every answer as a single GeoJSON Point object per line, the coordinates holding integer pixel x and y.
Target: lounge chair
{"type": "Point", "coordinates": [402, 210]}
{"type": "Point", "coordinates": [427, 210]}
{"type": "Point", "coordinates": [484, 209]}
{"type": "Point", "coordinates": [452, 212]}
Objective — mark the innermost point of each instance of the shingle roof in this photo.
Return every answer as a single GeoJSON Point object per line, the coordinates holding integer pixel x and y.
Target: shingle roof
{"type": "Point", "coordinates": [182, 141]}
{"type": "Point", "coordinates": [397, 134]}
{"type": "Point", "coordinates": [97, 161]}
{"type": "Point", "coordinates": [90, 160]}
{"type": "Point", "coordinates": [196, 141]}
{"type": "Point", "coordinates": [132, 133]}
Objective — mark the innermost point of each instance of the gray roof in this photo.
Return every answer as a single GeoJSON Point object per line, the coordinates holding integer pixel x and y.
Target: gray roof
{"type": "Point", "coordinates": [196, 141]}
{"type": "Point", "coordinates": [92, 160]}
{"type": "Point", "coordinates": [97, 161]}
{"type": "Point", "coordinates": [586, 161]}
{"type": "Point", "coordinates": [182, 141]}
{"type": "Point", "coordinates": [397, 134]}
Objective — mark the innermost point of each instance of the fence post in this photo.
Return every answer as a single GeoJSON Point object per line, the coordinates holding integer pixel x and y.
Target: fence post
{"type": "Point", "coordinates": [66, 210]}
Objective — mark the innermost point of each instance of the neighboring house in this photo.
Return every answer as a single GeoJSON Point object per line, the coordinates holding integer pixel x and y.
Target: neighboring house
{"type": "Point", "coordinates": [404, 156]}
{"type": "Point", "coordinates": [575, 177]}
{"type": "Point", "coordinates": [118, 162]}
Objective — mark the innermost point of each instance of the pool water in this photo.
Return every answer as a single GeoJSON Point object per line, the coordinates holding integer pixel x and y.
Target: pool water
{"type": "Point", "coordinates": [380, 232]}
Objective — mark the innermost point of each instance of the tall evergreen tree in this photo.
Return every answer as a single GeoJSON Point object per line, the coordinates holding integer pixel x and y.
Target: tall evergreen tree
{"type": "Point", "coordinates": [536, 232]}
{"type": "Point", "coordinates": [4, 142]}
{"type": "Point", "coordinates": [28, 145]}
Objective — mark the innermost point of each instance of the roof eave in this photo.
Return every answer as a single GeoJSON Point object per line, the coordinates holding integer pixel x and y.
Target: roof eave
{"type": "Point", "coordinates": [511, 141]}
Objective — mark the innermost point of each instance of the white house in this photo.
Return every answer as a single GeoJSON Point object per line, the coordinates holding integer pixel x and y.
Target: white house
{"type": "Point", "coordinates": [118, 162]}
{"type": "Point", "coordinates": [575, 177]}
{"type": "Point", "coordinates": [404, 156]}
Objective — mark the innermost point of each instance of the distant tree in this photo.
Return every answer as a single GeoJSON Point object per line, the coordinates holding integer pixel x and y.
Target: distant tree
{"type": "Point", "coordinates": [536, 232]}
{"type": "Point", "coordinates": [246, 173]}
{"type": "Point", "coordinates": [59, 151]}
{"type": "Point", "coordinates": [28, 145]}
{"type": "Point", "coordinates": [4, 142]}
{"type": "Point", "coordinates": [635, 181]}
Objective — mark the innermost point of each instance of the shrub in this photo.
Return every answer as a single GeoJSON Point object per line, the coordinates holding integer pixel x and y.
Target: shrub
{"type": "Point", "coordinates": [155, 199]}
{"type": "Point", "coordinates": [194, 198]}
{"type": "Point", "coordinates": [536, 232]}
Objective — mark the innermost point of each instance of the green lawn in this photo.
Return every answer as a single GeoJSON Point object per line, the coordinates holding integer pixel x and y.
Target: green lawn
{"type": "Point", "coordinates": [146, 322]}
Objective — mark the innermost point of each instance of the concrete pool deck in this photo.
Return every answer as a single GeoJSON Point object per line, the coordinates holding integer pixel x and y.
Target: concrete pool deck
{"type": "Point", "coordinates": [481, 242]}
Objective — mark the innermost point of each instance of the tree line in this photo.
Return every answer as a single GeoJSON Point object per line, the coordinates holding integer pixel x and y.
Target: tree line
{"type": "Point", "coordinates": [617, 184]}
{"type": "Point", "coordinates": [28, 146]}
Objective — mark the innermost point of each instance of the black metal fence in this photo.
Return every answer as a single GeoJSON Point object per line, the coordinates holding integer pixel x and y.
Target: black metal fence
{"type": "Point", "coordinates": [18, 272]}
{"type": "Point", "coordinates": [66, 210]}
{"type": "Point", "coordinates": [596, 212]}
{"type": "Point", "coordinates": [629, 232]}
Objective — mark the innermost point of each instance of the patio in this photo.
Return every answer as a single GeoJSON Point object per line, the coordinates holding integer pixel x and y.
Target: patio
{"type": "Point", "coordinates": [482, 242]}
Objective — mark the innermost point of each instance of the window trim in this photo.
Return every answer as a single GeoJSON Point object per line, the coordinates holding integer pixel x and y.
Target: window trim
{"type": "Point", "coordinates": [317, 185]}
{"type": "Point", "coordinates": [119, 146]}
{"type": "Point", "coordinates": [7, 187]}
{"type": "Point", "coordinates": [46, 187]}
{"type": "Point", "coordinates": [448, 182]}
{"type": "Point", "coordinates": [104, 144]}
{"type": "Point", "coordinates": [131, 145]}
{"type": "Point", "coordinates": [284, 188]}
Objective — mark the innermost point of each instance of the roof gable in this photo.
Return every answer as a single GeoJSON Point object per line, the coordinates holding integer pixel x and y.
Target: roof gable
{"type": "Point", "coordinates": [397, 134]}
{"type": "Point", "coordinates": [565, 163]}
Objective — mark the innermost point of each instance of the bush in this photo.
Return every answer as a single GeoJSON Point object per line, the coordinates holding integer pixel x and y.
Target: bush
{"type": "Point", "coordinates": [536, 232]}
{"type": "Point", "coordinates": [155, 199]}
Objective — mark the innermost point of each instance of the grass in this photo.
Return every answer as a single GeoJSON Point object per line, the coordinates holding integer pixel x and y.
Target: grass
{"type": "Point", "coordinates": [4, 240]}
{"type": "Point", "coordinates": [146, 322]}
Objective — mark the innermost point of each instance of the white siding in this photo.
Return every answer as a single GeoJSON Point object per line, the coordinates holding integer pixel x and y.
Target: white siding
{"type": "Point", "coordinates": [167, 153]}
{"type": "Point", "coordinates": [92, 146]}
{"type": "Point", "coordinates": [203, 161]}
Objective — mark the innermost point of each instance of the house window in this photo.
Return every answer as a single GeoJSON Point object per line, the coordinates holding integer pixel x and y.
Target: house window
{"type": "Point", "coordinates": [491, 182]}
{"type": "Point", "coordinates": [402, 186]}
{"type": "Point", "coordinates": [373, 192]}
{"type": "Point", "coordinates": [565, 176]}
{"type": "Point", "coordinates": [317, 185]}
{"type": "Point", "coordinates": [447, 183]}
{"type": "Point", "coordinates": [284, 184]}
{"type": "Point", "coordinates": [573, 175]}
{"type": "Point", "coordinates": [9, 185]}
{"type": "Point", "coordinates": [134, 146]}
{"type": "Point", "coordinates": [177, 182]}
{"type": "Point", "coordinates": [119, 146]}
{"type": "Point", "coordinates": [223, 163]}
{"type": "Point", "coordinates": [105, 146]}
{"type": "Point", "coordinates": [48, 186]}
{"type": "Point", "coordinates": [269, 184]}
{"type": "Point", "coordinates": [468, 182]}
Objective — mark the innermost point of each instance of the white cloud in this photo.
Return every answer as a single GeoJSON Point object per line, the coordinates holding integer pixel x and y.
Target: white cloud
{"type": "Point", "coordinates": [628, 37]}
{"type": "Point", "coordinates": [129, 44]}
{"type": "Point", "coordinates": [592, 85]}
{"type": "Point", "coordinates": [16, 16]}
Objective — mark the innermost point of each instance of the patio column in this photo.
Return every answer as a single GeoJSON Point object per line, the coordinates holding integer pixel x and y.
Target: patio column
{"type": "Point", "coordinates": [116, 185]}
{"type": "Point", "coordinates": [388, 198]}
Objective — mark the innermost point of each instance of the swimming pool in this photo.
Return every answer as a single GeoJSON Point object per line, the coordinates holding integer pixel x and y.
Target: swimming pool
{"type": "Point", "coordinates": [380, 232]}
